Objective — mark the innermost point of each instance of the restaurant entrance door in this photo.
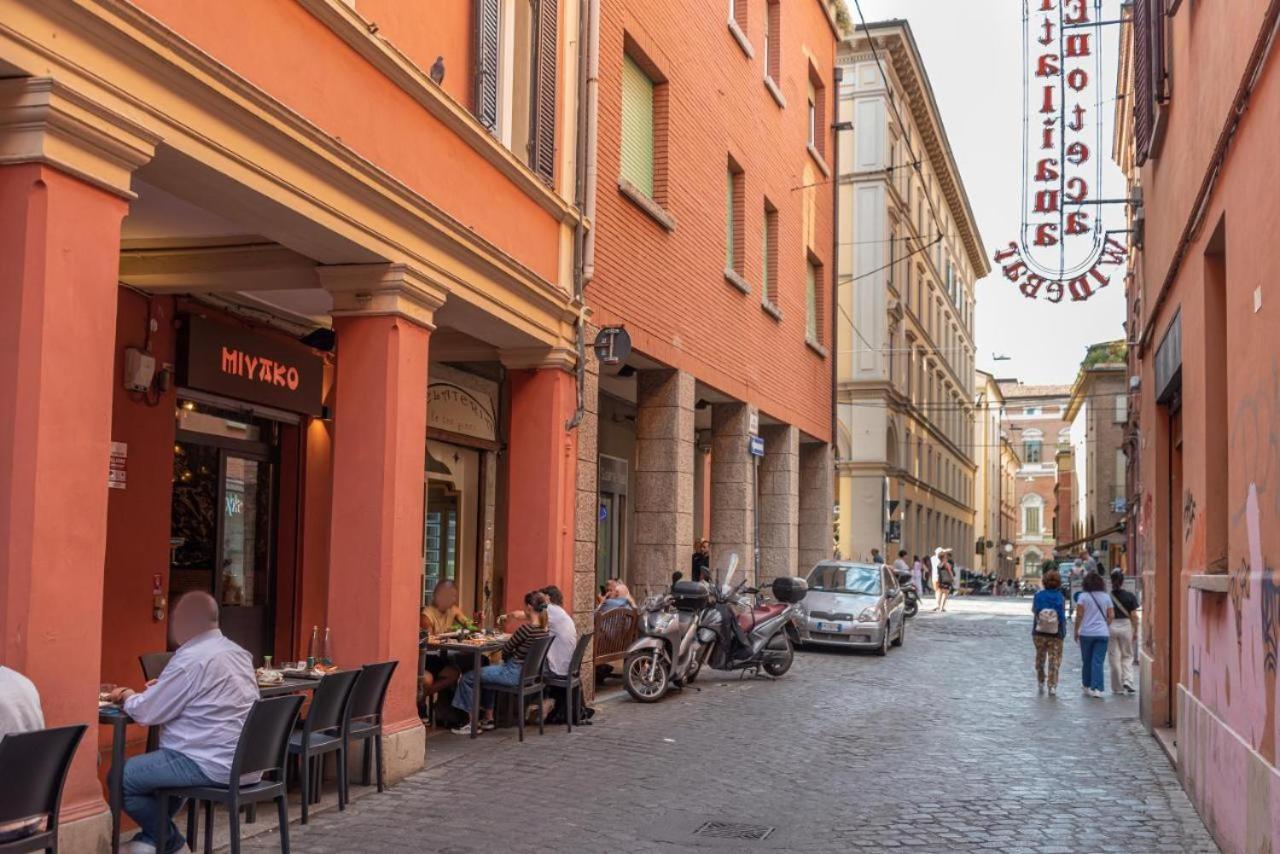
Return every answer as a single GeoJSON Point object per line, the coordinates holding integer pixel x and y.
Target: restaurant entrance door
{"type": "Point", "coordinates": [223, 519]}
{"type": "Point", "coordinates": [450, 529]}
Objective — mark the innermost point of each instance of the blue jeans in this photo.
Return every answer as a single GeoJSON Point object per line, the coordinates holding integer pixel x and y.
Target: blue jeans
{"type": "Point", "coordinates": [160, 769]}
{"type": "Point", "coordinates": [1093, 655]}
{"type": "Point", "coordinates": [506, 673]}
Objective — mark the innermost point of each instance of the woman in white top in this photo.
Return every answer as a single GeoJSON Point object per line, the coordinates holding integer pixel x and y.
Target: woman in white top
{"type": "Point", "coordinates": [1092, 630]}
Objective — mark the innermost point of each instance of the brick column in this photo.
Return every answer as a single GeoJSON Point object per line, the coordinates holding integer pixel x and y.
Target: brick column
{"type": "Point", "coordinates": [541, 460]}
{"type": "Point", "coordinates": [733, 494]}
{"type": "Point", "coordinates": [63, 193]}
{"type": "Point", "coordinates": [383, 319]}
{"type": "Point", "coordinates": [779, 502]}
{"type": "Point", "coordinates": [663, 536]}
{"type": "Point", "coordinates": [817, 483]}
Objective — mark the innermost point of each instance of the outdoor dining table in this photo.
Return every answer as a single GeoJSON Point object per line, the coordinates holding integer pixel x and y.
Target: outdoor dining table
{"type": "Point", "coordinates": [480, 650]}
{"type": "Point", "coordinates": [115, 717]}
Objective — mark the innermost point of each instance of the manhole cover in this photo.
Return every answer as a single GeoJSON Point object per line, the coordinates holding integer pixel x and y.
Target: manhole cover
{"type": "Point", "coordinates": [728, 830]}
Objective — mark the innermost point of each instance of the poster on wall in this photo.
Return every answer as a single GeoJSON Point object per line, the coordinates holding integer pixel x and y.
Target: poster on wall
{"type": "Point", "coordinates": [117, 466]}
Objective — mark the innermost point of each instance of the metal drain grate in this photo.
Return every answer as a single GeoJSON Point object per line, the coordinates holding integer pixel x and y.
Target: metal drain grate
{"type": "Point", "coordinates": [729, 830]}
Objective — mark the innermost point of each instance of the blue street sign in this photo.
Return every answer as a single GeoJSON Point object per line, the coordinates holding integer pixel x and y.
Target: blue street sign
{"type": "Point", "coordinates": [757, 446]}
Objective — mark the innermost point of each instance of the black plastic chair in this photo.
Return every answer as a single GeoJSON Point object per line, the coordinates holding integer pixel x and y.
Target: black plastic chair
{"type": "Point", "coordinates": [153, 664]}
{"type": "Point", "coordinates": [33, 770]}
{"type": "Point", "coordinates": [262, 748]}
{"type": "Point", "coordinates": [365, 717]}
{"type": "Point", "coordinates": [571, 682]}
{"type": "Point", "coordinates": [531, 683]}
{"type": "Point", "coordinates": [324, 732]}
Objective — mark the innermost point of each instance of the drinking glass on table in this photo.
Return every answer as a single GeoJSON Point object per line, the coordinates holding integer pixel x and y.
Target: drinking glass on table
{"type": "Point", "coordinates": [105, 689]}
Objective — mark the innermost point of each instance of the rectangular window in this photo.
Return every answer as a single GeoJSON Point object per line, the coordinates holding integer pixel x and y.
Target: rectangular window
{"type": "Point", "coordinates": [1122, 408]}
{"type": "Point", "coordinates": [773, 40]}
{"type": "Point", "coordinates": [738, 13]}
{"type": "Point", "coordinates": [1031, 520]}
{"type": "Point", "coordinates": [487, 47]}
{"type": "Point", "coordinates": [1121, 475]}
{"type": "Point", "coordinates": [817, 113]}
{"type": "Point", "coordinates": [769, 256]}
{"type": "Point", "coordinates": [813, 302]}
{"type": "Point", "coordinates": [735, 221]}
{"type": "Point", "coordinates": [637, 127]}
{"type": "Point", "coordinates": [1032, 450]}
{"type": "Point", "coordinates": [810, 139]}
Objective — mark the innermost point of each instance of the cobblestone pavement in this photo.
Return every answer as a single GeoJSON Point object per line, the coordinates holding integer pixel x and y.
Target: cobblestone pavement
{"type": "Point", "coordinates": [943, 746]}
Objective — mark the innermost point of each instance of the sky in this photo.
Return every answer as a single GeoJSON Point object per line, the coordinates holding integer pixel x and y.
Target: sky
{"type": "Point", "coordinates": [972, 51]}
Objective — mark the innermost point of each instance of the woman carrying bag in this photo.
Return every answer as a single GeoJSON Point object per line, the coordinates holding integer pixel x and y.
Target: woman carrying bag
{"type": "Point", "coordinates": [1094, 616]}
{"type": "Point", "coordinates": [1120, 654]}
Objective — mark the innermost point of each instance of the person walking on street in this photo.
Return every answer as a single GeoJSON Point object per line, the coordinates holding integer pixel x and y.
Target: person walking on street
{"type": "Point", "coordinates": [1123, 632]}
{"type": "Point", "coordinates": [946, 579]}
{"type": "Point", "coordinates": [1048, 628]}
{"type": "Point", "coordinates": [1094, 616]}
{"type": "Point", "coordinates": [700, 566]}
{"type": "Point", "coordinates": [900, 567]}
{"type": "Point", "coordinates": [917, 575]}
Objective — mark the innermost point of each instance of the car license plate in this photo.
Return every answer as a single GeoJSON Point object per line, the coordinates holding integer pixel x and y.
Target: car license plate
{"type": "Point", "coordinates": [833, 628]}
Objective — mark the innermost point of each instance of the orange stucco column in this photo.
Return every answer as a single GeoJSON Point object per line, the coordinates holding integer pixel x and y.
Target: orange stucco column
{"type": "Point", "coordinates": [383, 325]}
{"type": "Point", "coordinates": [63, 195]}
{"type": "Point", "coordinates": [60, 250]}
{"type": "Point", "coordinates": [541, 466]}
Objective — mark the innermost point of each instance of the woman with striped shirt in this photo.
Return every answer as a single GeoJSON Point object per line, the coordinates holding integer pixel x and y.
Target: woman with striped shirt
{"type": "Point", "coordinates": [514, 653]}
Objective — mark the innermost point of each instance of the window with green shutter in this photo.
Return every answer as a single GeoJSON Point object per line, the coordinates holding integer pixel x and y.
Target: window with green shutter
{"type": "Point", "coordinates": [811, 301]}
{"type": "Point", "coordinates": [637, 127]}
{"type": "Point", "coordinates": [729, 205]}
{"type": "Point", "coordinates": [769, 256]}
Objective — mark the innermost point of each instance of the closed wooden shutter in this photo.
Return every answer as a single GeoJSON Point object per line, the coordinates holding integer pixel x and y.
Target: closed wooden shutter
{"type": "Point", "coordinates": [1143, 93]}
{"type": "Point", "coordinates": [487, 49]}
{"type": "Point", "coordinates": [729, 205]}
{"type": "Point", "coordinates": [637, 126]}
{"type": "Point", "coordinates": [811, 301]}
{"type": "Point", "coordinates": [1159, 65]}
{"type": "Point", "coordinates": [542, 139]}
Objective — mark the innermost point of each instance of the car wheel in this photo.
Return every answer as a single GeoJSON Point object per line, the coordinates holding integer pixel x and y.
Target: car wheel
{"type": "Point", "coordinates": [902, 634]}
{"type": "Point", "coordinates": [883, 649]}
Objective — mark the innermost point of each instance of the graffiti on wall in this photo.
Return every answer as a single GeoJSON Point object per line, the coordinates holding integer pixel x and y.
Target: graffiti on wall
{"type": "Point", "coordinates": [1188, 514]}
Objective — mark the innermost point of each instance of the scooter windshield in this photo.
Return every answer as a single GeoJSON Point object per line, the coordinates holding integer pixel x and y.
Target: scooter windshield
{"type": "Point", "coordinates": [733, 576]}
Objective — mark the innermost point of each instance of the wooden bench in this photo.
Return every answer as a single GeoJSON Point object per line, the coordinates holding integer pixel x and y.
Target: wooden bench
{"type": "Point", "coordinates": [614, 632]}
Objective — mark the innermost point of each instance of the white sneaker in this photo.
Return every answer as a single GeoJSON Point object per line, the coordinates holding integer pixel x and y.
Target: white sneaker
{"type": "Point", "coordinates": [1086, 690]}
{"type": "Point", "coordinates": [1097, 695]}
{"type": "Point", "coordinates": [465, 729]}
{"type": "Point", "coordinates": [137, 846]}
{"type": "Point", "coordinates": [1053, 690]}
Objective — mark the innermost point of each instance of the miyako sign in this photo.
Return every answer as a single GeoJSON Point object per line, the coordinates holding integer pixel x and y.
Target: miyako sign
{"type": "Point", "coordinates": [1063, 245]}
{"type": "Point", "coordinates": [230, 360]}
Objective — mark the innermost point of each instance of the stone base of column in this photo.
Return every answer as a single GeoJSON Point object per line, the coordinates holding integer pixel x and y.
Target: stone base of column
{"type": "Point", "coordinates": [663, 501]}
{"type": "Point", "coordinates": [733, 494]}
{"type": "Point", "coordinates": [586, 511]}
{"type": "Point", "coordinates": [90, 834]}
{"type": "Point", "coordinates": [403, 752]}
{"type": "Point", "coordinates": [779, 503]}
{"type": "Point", "coordinates": [817, 489]}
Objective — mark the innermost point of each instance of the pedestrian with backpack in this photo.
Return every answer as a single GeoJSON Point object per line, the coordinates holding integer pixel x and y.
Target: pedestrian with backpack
{"type": "Point", "coordinates": [1048, 629]}
{"type": "Point", "coordinates": [1094, 615]}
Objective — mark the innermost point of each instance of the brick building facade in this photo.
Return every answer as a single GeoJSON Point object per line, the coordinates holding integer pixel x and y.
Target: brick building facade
{"type": "Point", "coordinates": [714, 244]}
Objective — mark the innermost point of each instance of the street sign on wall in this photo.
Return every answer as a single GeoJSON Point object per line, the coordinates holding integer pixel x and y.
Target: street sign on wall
{"type": "Point", "coordinates": [757, 446]}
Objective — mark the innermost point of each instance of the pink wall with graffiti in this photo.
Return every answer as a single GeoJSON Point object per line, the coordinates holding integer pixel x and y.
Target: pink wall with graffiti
{"type": "Point", "coordinates": [1208, 521]}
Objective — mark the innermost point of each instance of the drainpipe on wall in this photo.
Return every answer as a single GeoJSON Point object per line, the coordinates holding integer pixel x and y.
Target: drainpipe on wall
{"type": "Point", "coordinates": [834, 351]}
{"type": "Point", "coordinates": [584, 243]}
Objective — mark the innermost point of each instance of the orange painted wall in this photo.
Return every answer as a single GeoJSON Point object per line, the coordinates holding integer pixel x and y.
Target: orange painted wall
{"type": "Point", "coordinates": [315, 73]}
{"type": "Point", "coordinates": [138, 515]}
{"type": "Point", "coordinates": [541, 465]}
{"type": "Point", "coordinates": [669, 287]}
{"type": "Point", "coordinates": [426, 29]}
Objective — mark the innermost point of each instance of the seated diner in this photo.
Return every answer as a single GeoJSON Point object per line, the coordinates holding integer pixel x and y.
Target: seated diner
{"type": "Point", "coordinates": [439, 616]}
{"type": "Point", "coordinates": [513, 652]}
{"type": "Point", "coordinates": [200, 701]}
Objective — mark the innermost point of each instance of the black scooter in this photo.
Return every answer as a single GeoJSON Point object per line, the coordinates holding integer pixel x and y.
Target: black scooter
{"type": "Point", "coordinates": [910, 595]}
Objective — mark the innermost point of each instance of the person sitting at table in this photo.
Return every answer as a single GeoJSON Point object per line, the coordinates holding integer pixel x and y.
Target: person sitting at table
{"type": "Point", "coordinates": [442, 615]}
{"type": "Point", "coordinates": [514, 652]}
{"type": "Point", "coordinates": [564, 639]}
{"type": "Point", "coordinates": [19, 712]}
{"type": "Point", "coordinates": [200, 700]}
{"type": "Point", "coordinates": [616, 596]}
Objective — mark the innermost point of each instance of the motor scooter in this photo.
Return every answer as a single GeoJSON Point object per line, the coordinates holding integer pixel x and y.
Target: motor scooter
{"type": "Point", "coordinates": [668, 652]}
{"type": "Point", "coordinates": [740, 630]}
{"type": "Point", "coordinates": [911, 596]}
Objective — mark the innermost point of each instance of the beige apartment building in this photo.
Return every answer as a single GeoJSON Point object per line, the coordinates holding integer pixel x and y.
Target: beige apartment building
{"type": "Point", "coordinates": [1099, 411]}
{"type": "Point", "coordinates": [909, 253]}
{"type": "Point", "coordinates": [997, 465]}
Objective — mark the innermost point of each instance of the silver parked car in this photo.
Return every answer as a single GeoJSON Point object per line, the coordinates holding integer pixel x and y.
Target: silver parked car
{"type": "Point", "coordinates": [853, 604]}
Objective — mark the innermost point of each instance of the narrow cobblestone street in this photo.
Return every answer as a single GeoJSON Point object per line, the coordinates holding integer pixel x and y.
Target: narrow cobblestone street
{"type": "Point", "coordinates": [942, 746]}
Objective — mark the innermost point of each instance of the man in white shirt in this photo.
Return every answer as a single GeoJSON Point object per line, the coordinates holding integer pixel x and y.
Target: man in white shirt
{"type": "Point", "coordinates": [201, 700]}
{"type": "Point", "coordinates": [564, 639]}
{"type": "Point", "coordinates": [19, 712]}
